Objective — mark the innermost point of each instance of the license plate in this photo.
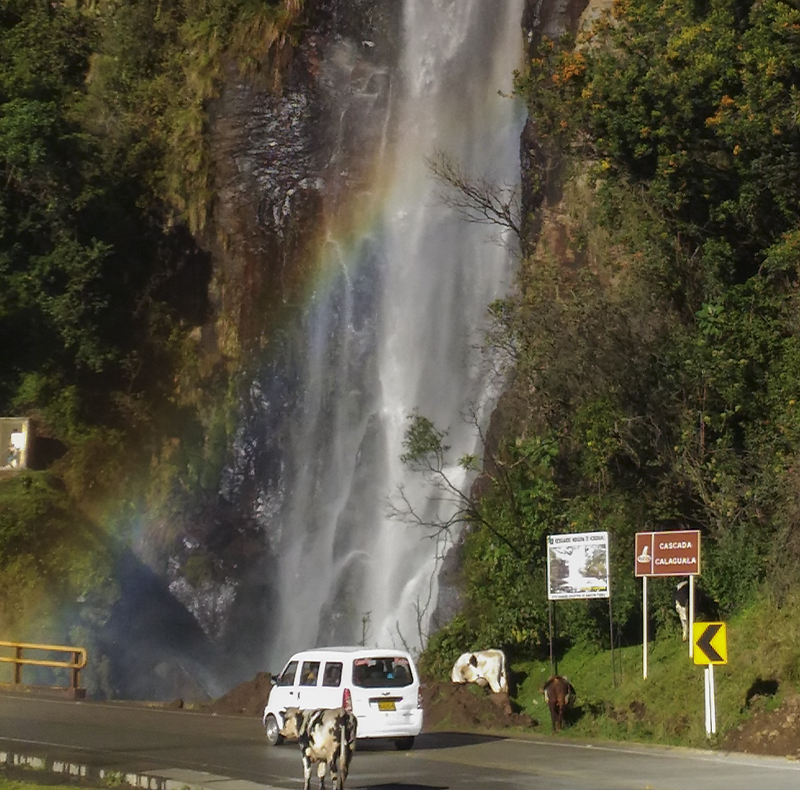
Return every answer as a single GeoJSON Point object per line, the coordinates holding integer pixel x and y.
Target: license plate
{"type": "Point", "coordinates": [386, 704]}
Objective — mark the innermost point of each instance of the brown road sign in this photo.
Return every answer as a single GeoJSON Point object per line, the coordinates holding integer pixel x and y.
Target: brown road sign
{"type": "Point", "coordinates": [674, 553]}
{"type": "Point", "coordinates": [710, 643]}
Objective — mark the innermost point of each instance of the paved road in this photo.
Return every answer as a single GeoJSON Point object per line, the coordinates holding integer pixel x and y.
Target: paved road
{"type": "Point", "coordinates": [229, 753]}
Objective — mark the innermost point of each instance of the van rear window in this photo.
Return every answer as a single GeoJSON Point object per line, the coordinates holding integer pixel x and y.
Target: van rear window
{"type": "Point", "coordinates": [389, 672]}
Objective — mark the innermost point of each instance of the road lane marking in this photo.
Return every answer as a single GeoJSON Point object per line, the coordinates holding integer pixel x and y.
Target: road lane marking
{"type": "Point", "coordinates": [685, 752]}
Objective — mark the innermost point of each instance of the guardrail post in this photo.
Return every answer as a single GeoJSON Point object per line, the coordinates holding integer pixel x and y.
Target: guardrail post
{"type": "Point", "coordinates": [76, 671]}
{"type": "Point", "coordinates": [18, 665]}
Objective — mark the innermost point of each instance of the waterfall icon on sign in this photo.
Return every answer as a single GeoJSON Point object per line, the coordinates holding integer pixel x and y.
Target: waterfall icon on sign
{"type": "Point", "coordinates": [644, 557]}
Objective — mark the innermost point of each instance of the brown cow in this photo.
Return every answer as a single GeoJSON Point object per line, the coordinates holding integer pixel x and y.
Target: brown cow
{"type": "Point", "coordinates": [559, 695]}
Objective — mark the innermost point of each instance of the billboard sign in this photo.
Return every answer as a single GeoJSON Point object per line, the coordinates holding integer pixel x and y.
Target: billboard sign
{"type": "Point", "coordinates": [674, 553]}
{"type": "Point", "coordinates": [577, 566]}
{"type": "Point", "coordinates": [14, 438]}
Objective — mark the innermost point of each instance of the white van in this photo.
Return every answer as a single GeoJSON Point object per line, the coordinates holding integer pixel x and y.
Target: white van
{"type": "Point", "coordinates": [381, 686]}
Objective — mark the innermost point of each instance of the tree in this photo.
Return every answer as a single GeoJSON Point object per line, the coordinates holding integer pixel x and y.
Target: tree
{"type": "Point", "coordinates": [476, 199]}
{"type": "Point", "coordinates": [683, 110]}
{"type": "Point", "coordinates": [501, 522]}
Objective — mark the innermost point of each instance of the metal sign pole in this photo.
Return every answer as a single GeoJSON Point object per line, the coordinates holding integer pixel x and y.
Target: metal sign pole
{"type": "Point", "coordinates": [713, 698]}
{"type": "Point", "coordinates": [691, 615]}
{"type": "Point", "coordinates": [710, 699]}
{"type": "Point", "coordinates": [611, 637]}
{"type": "Point", "coordinates": [644, 627]}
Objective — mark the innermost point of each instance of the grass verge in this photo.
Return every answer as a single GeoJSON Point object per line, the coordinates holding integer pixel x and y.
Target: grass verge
{"type": "Point", "coordinates": [669, 706]}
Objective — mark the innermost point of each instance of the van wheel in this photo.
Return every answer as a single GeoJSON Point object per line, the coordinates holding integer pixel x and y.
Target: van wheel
{"type": "Point", "coordinates": [403, 744]}
{"type": "Point", "coordinates": [274, 737]}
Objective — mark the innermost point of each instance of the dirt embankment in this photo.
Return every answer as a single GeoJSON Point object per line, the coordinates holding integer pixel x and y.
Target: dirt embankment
{"type": "Point", "coordinates": [775, 732]}
{"type": "Point", "coordinates": [446, 705]}
{"type": "Point", "coordinates": [246, 699]}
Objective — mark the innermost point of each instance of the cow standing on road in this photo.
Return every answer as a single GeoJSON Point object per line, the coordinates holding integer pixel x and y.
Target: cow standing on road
{"type": "Point", "coordinates": [327, 736]}
{"type": "Point", "coordinates": [559, 696]}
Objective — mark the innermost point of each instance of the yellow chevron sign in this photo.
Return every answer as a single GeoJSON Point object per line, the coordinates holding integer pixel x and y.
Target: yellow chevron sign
{"type": "Point", "coordinates": [710, 643]}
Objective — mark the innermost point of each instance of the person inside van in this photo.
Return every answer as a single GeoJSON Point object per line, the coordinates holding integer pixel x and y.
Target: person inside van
{"type": "Point", "coordinates": [359, 674]}
{"type": "Point", "coordinates": [400, 675]}
{"type": "Point", "coordinates": [332, 675]}
{"type": "Point", "coordinates": [308, 675]}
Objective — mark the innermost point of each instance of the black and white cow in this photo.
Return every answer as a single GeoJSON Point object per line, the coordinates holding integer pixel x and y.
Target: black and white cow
{"type": "Point", "coordinates": [681, 597]}
{"type": "Point", "coordinates": [327, 736]}
{"type": "Point", "coordinates": [705, 607]}
{"type": "Point", "coordinates": [482, 667]}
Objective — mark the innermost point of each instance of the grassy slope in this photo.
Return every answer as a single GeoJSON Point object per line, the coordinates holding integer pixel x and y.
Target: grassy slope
{"type": "Point", "coordinates": [668, 707]}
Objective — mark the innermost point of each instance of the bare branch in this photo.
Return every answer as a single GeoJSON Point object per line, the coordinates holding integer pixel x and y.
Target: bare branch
{"type": "Point", "coordinates": [422, 609]}
{"type": "Point", "coordinates": [476, 199]}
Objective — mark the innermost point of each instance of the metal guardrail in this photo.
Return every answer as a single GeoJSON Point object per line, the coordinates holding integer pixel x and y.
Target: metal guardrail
{"type": "Point", "coordinates": [75, 665]}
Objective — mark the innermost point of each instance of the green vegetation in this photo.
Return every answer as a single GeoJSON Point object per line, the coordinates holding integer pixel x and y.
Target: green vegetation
{"type": "Point", "coordinates": [104, 202]}
{"type": "Point", "coordinates": [24, 784]}
{"type": "Point", "coordinates": [66, 574]}
{"type": "Point", "coordinates": [668, 707]}
{"type": "Point", "coordinates": [654, 360]}
{"type": "Point", "coordinates": [614, 702]}
{"type": "Point", "coordinates": [17, 784]}
{"type": "Point", "coordinates": [25, 779]}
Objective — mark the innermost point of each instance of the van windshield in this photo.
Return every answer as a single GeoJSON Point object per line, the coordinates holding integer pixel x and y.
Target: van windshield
{"type": "Point", "coordinates": [286, 678]}
{"type": "Point", "coordinates": [389, 672]}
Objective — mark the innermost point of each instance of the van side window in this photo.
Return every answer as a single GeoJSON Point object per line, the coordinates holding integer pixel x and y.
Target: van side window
{"type": "Point", "coordinates": [332, 675]}
{"type": "Point", "coordinates": [309, 673]}
{"type": "Point", "coordinates": [286, 678]}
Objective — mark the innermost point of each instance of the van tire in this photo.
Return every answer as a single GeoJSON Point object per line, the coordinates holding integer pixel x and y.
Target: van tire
{"type": "Point", "coordinates": [273, 730]}
{"type": "Point", "coordinates": [404, 744]}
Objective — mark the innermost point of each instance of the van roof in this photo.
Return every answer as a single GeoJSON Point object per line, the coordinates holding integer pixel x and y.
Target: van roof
{"type": "Point", "coordinates": [364, 651]}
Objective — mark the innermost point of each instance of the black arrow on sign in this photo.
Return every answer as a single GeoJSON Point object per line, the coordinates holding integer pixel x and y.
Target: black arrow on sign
{"type": "Point", "coordinates": [704, 642]}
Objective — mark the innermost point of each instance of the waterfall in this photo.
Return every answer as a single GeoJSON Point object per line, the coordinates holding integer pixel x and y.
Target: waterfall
{"type": "Point", "coordinates": [393, 328]}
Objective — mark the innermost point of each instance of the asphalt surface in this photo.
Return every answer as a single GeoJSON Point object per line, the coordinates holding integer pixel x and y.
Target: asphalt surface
{"type": "Point", "coordinates": [162, 749]}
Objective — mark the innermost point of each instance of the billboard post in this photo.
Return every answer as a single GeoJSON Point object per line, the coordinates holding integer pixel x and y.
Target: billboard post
{"type": "Point", "coordinates": [578, 568]}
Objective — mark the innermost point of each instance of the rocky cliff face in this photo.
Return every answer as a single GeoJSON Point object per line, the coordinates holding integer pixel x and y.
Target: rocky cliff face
{"type": "Point", "coordinates": [286, 161]}
{"type": "Point", "coordinates": [285, 158]}
{"type": "Point", "coordinates": [541, 174]}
